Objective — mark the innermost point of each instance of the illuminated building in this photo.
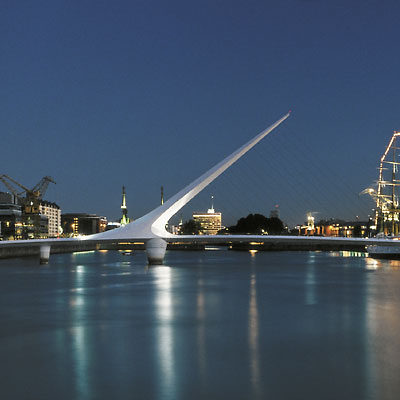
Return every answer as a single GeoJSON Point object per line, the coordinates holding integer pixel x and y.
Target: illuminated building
{"type": "Point", "coordinates": [82, 224]}
{"type": "Point", "coordinates": [125, 219]}
{"type": "Point", "coordinates": [10, 217]}
{"type": "Point", "coordinates": [53, 213]}
{"type": "Point", "coordinates": [338, 228]}
{"type": "Point", "coordinates": [210, 221]}
{"type": "Point", "coordinates": [15, 224]}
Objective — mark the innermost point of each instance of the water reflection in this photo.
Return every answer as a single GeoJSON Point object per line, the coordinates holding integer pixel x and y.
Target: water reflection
{"type": "Point", "coordinates": [221, 325]}
{"type": "Point", "coordinates": [371, 264]}
{"type": "Point", "coordinates": [164, 332]}
{"type": "Point", "coordinates": [78, 333]}
{"type": "Point", "coordinates": [310, 283]}
{"type": "Point", "coordinates": [201, 315]}
{"type": "Point", "coordinates": [384, 327]}
{"type": "Point", "coordinates": [253, 332]}
{"type": "Point", "coordinates": [358, 254]}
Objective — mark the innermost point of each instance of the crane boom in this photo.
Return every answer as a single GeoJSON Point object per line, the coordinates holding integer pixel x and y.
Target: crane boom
{"type": "Point", "coordinates": [42, 186]}
{"type": "Point", "coordinates": [5, 178]}
{"type": "Point", "coordinates": [30, 204]}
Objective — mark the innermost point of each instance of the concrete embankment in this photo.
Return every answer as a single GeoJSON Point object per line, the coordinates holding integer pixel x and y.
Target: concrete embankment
{"type": "Point", "coordinates": [26, 250]}
{"type": "Point", "coordinates": [14, 249]}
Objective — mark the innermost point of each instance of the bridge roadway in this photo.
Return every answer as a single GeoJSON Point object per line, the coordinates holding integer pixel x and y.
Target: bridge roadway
{"type": "Point", "coordinates": [19, 248]}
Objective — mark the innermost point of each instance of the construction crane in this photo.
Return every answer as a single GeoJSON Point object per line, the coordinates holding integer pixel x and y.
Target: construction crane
{"type": "Point", "coordinates": [31, 201]}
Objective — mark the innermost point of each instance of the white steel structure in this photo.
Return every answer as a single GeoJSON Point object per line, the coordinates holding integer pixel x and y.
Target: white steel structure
{"type": "Point", "coordinates": [151, 227]}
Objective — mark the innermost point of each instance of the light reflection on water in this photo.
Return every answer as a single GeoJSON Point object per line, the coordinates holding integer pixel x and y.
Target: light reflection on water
{"type": "Point", "coordinates": [164, 334]}
{"type": "Point", "coordinates": [220, 324]}
{"type": "Point", "coordinates": [200, 331]}
{"type": "Point", "coordinates": [78, 335]}
{"type": "Point", "coordinates": [253, 339]}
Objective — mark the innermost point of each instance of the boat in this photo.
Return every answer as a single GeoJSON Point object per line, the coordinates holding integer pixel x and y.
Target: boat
{"type": "Point", "coordinates": [127, 252]}
{"type": "Point", "coordinates": [381, 251]}
{"type": "Point", "coordinates": [387, 198]}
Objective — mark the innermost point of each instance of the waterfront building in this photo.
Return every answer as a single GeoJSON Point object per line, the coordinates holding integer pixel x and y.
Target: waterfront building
{"type": "Point", "coordinates": [53, 213]}
{"type": "Point", "coordinates": [210, 221]}
{"type": "Point", "coordinates": [10, 222]}
{"type": "Point", "coordinates": [10, 217]}
{"type": "Point", "coordinates": [16, 224]}
{"type": "Point", "coordinates": [34, 226]}
{"type": "Point", "coordinates": [82, 224]}
{"type": "Point", "coordinates": [339, 228]}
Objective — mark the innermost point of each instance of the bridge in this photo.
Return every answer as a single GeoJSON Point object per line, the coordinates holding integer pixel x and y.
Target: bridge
{"type": "Point", "coordinates": [150, 228]}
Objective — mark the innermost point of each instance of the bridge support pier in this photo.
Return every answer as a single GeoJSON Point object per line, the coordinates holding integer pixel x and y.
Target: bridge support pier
{"type": "Point", "coordinates": [44, 254]}
{"type": "Point", "coordinates": [155, 249]}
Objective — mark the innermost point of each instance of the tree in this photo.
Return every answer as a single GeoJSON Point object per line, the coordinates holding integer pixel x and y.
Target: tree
{"type": "Point", "coordinates": [357, 230]}
{"type": "Point", "coordinates": [257, 224]}
{"type": "Point", "coordinates": [191, 227]}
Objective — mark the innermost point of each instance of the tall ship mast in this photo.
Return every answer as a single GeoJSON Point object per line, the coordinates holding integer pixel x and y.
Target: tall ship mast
{"type": "Point", "coordinates": [387, 212]}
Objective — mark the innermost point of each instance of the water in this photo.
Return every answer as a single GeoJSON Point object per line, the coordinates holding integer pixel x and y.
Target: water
{"type": "Point", "coordinates": [210, 325]}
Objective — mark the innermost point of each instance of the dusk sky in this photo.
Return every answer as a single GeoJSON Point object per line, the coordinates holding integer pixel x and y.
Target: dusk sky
{"type": "Point", "coordinates": [100, 94]}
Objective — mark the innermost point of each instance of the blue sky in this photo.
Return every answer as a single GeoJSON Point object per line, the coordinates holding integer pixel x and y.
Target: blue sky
{"type": "Point", "coordinates": [100, 94]}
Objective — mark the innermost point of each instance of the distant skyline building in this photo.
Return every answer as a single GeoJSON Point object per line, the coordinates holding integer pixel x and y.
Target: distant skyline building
{"type": "Point", "coordinates": [274, 213]}
{"type": "Point", "coordinates": [210, 221]}
{"type": "Point", "coordinates": [82, 224]}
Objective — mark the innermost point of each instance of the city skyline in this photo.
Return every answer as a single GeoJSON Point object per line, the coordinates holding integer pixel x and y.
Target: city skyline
{"type": "Point", "coordinates": [148, 95]}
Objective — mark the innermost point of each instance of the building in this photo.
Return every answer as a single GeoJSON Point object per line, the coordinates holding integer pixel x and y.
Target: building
{"type": "Point", "coordinates": [340, 228]}
{"type": "Point", "coordinates": [16, 224]}
{"type": "Point", "coordinates": [34, 226]}
{"type": "Point", "coordinates": [210, 221]}
{"type": "Point", "coordinates": [125, 219]}
{"type": "Point", "coordinates": [53, 213]}
{"type": "Point", "coordinates": [82, 224]}
{"type": "Point", "coordinates": [274, 213]}
{"type": "Point", "coordinates": [337, 228]}
{"type": "Point", "coordinates": [10, 217]}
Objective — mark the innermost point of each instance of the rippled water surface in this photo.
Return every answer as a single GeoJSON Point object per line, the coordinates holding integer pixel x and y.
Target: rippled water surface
{"type": "Point", "coordinates": [208, 325]}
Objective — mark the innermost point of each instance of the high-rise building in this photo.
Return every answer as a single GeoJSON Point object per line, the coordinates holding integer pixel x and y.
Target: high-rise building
{"type": "Point", "coordinates": [210, 221]}
{"type": "Point", "coordinates": [53, 213]}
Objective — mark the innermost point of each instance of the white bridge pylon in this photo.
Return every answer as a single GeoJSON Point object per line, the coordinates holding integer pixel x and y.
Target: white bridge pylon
{"type": "Point", "coordinates": [151, 227]}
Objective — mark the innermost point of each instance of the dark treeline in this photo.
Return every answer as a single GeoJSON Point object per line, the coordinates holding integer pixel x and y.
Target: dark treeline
{"type": "Point", "coordinates": [191, 227]}
{"type": "Point", "coordinates": [257, 224]}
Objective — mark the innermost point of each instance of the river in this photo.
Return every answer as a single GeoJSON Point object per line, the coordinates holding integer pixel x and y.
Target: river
{"type": "Point", "coordinates": [207, 325]}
